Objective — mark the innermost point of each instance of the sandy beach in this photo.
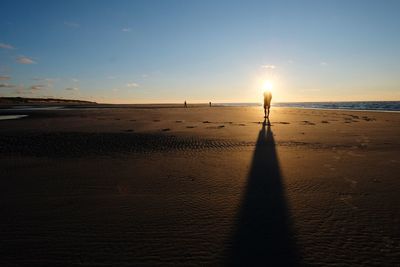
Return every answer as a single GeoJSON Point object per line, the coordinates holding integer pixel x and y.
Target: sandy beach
{"type": "Point", "coordinates": [200, 186]}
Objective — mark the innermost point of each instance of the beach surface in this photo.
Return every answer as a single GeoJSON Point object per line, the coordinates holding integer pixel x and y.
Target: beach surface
{"type": "Point", "coordinates": [199, 186]}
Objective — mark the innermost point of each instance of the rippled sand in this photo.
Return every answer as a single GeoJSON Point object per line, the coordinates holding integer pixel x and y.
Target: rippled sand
{"type": "Point", "coordinates": [200, 186]}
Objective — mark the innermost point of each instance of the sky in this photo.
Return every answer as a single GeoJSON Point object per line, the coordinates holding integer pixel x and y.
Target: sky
{"type": "Point", "coordinates": [221, 51]}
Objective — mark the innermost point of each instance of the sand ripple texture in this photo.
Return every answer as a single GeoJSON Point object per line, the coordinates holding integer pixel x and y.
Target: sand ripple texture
{"type": "Point", "coordinates": [85, 144]}
{"type": "Point", "coordinates": [74, 144]}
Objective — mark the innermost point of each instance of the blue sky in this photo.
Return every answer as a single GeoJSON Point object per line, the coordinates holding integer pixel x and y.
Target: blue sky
{"type": "Point", "coordinates": [222, 51]}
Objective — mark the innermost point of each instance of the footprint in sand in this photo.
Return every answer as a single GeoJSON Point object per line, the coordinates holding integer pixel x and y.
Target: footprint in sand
{"type": "Point", "coordinates": [324, 121]}
{"type": "Point", "coordinates": [368, 119]}
{"type": "Point", "coordinates": [156, 120]}
{"type": "Point", "coordinates": [216, 127]}
{"type": "Point", "coordinates": [117, 119]}
{"type": "Point", "coordinates": [282, 122]}
{"type": "Point", "coordinates": [129, 130]}
{"type": "Point", "coordinates": [132, 120]}
{"type": "Point", "coordinates": [178, 121]}
{"type": "Point", "coordinates": [166, 129]}
{"type": "Point", "coordinates": [206, 122]}
{"type": "Point", "coordinates": [308, 123]}
{"type": "Point", "coordinates": [190, 127]}
{"type": "Point", "coordinates": [242, 124]}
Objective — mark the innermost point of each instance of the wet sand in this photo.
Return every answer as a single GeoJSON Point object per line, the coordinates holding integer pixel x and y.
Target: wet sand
{"type": "Point", "coordinates": [200, 186]}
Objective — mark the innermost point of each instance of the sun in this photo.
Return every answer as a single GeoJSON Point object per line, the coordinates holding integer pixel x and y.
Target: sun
{"type": "Point", "coordinates": [267, 86]}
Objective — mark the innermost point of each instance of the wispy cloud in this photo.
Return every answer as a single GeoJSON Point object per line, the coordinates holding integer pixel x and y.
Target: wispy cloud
{"type": "Point", "coordinates": [48, 80]}
{"type": "Point", "coordinates": [7, 85]}
{"type": "Point", "coordinates": [72, 89]}
{"type": "Point", "coordinates": [271, 67]}
{"type": "Point", "coordinates": [44, 82]}
{"type": "Point", "coordinates": [38, 87]}
{"type": "Point", "coordinates": [25, 60]}
{"type": "Point", "coordinates": [72, 24]}
{"type": "Point", "coordinates": [132, 85]}
{"type": "Point", "coordinates": [4, 77]}
{"type": "Point", "coordinates": [323, 63]}
{"type": "Point", "coordinates": [75, 80]}
{"type": "Point", "coordinates": [6, 46]}
{"type": "Point", "coordinates": [126, 29]}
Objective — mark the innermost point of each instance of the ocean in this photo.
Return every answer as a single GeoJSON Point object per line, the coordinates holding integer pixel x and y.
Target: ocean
{"type": "Point", "coordinates": [355, 105]}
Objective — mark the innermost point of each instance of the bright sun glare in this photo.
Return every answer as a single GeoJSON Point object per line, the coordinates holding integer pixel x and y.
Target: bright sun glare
{"type": "Point", "coordinates": [267, 86]}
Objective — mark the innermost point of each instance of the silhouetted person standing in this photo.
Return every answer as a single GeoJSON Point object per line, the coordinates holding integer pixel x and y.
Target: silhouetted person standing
{"type": "Point", "coordinates": [209, 104]}
{"type": "Point", "coordinates": [184, 104]}
{"type": "Point", "coordinates": [267, 103]}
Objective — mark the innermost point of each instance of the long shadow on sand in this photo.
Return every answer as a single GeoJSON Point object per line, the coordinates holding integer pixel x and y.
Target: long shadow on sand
{"type": "Point", "coordinates": [263, 235]}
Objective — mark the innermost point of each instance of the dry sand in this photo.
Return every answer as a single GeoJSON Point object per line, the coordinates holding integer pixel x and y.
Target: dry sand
{"type": "Point", "coordinates": [200, 186]}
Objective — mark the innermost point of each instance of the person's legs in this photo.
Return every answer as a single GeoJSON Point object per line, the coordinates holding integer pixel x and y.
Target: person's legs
{"type": "Point", "coordinates": [265, 111]}
{"type": "Point", "coordinates": [268, 112]}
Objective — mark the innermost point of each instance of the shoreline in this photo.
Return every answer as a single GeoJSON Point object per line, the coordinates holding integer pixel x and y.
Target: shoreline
{"type": "Point", "coordinates": [56, 107]}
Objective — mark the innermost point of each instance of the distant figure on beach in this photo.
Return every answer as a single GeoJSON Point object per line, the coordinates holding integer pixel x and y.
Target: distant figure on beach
{"type": "Point", "coordinates": [184, 104]}
{"type": "Point", "coordinates": [210, 104]}
{"type": "Point", "coordinates": [267, 103]}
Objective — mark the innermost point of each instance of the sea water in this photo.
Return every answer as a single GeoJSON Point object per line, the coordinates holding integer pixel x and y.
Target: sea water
{"type": "Point", "coordinates": [357, 105]}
